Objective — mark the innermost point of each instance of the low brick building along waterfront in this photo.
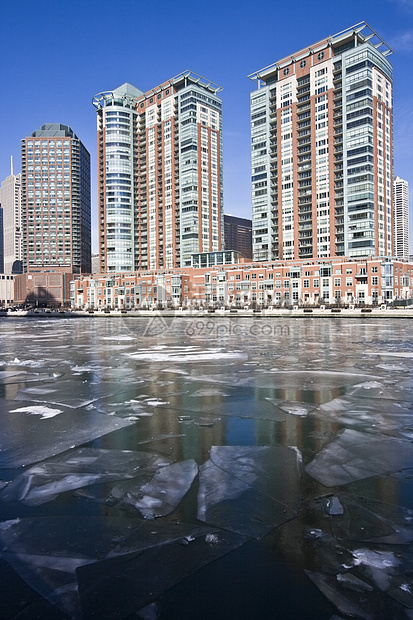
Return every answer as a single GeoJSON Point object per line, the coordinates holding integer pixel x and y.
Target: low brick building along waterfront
{"type": "Point", "coordinates": [336, 281]}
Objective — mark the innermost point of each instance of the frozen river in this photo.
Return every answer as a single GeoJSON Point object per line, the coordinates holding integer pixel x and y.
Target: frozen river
{"type": "Point", "coordinates": [207, 468]}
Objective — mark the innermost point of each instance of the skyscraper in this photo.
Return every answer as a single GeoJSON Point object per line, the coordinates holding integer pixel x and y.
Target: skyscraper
{"type": "Point", "coordinates": [321, 140]}
{"type": "Point", "coordinates": [10, 200]}
{"type": "Point", "coordinates": [401, 218]}
{"type": "Point", "coordinates": [55, 201]}
{"type": "Point", "coordinates": [159, 174]}
{"type": "Point", "coordinates": [1, 241]}
{"type": "Point", "coordinates": [238, 235]}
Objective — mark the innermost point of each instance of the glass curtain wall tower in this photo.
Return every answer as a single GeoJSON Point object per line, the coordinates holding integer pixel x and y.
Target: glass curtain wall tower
{"type": "Point", "coordinates": [160, 174]}
{"type": "Point", "coordinates": [321, 150]}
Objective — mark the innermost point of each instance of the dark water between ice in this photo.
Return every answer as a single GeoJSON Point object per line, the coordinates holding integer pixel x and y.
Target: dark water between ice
{"type": "Point", "coordinates": [206, 468]}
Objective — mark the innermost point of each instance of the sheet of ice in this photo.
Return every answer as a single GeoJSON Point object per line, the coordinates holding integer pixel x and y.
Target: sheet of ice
{"type": "Point", "coordinates": [375, 559]}
{"type": "Point", "coordinates": [248, 489]}
{"type": "Point", "coordinates": [155, 402]}
{"type": "Point", "coordinates": [118, 587]}
{"type": "Point", "coordinates": [372, 389]}
{"type": "Point", "coordinates": [6, 374]}
{"type": "Point", "coordinates": [120, 338]}
{"type": "Point", "coordinates": [73, 395]}
{"type": "Point", "coordinates": [369, 414]}
{"type": "Point", "coordinates": [311, 379]}
{"type": "Point", "coordinates": [79, 468]}
{"type": "Point", "coordinates": [61, 557]}
{"type": "Point", "coordinates": [11, 377]}
{"type": "Point", "coordinates": [208, 392]}
{"type": "Point", "coordinates": [25, 439]}
{"type": "Point", "coordinates": [298, 409]}
{"type": "Point", "coordinates": [327, 585]}
{"type": "Point", "coordinates": [351, 582]}
{"type": "Point", "coordinates": [354, 455]}
{"type": "Point", "coordinates": [43, 412]}
{"type": "Point", "coordinates": [45, 552]}
{"type": "Point", "coordinates": [36, 391]}
{"type": "Point", "coordinates": [368, 520]}
{"type": "Point", "coordinates": [405, 354]}
{"type": "Point", "coordinates": [163, 493]}
{"type": "Point", "coordinates": [185, 355]}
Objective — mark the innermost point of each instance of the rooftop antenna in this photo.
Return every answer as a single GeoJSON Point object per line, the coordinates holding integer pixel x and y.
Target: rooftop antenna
{"type": "Point", "coordinates": [11, 165]}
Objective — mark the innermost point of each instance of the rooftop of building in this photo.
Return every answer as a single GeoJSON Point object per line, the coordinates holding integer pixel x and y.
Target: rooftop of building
{"type": "Point", "coordinates": [128, 92]}
{"type": "Point", "coordinates": [235, 219]}
{"type": "Point", "coordinates": [359, 33]}
{"type": "Point", "coordinates": [51, 130]}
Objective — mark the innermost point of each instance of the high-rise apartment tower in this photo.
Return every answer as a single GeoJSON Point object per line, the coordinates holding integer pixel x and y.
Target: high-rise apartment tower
{"type": "Point", "coordinates": [10, 200]}
{"type": "Point", "coordinates": [55, 201]}
{"type": "Point", "coordinates": [159, 174]}
{"type": "Point", "coordinates": [321, 150]}
{"type": "Point", "coordinates": [401, 218]}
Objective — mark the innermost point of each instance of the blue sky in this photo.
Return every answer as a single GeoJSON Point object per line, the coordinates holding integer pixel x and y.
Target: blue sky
{"type": "Point", "coordinates": [56, 55]}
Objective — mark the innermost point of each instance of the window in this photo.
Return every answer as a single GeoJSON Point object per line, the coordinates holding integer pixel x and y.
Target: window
{"type": "Point", "coordinates": [316, 283]}
{"type": "Point", "coordinates": [303, 64]}
{"type": "Point", "coordinates": [306, 283]}
{"type": "Point", "coordinates": [286, 71]}
{"type": "Point", "coordinates": [375, 280]}
{"type": "Point", "coordinates": [320, 55]}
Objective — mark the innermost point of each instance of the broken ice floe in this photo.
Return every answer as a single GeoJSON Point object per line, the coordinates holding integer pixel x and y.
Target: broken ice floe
{"type": "Point", "coordinates": [247, 489]}
{"type": "Point", "coordinates": [376, 559]}
{"type": "Point", "coordinates": [102, 566]}
{"type": "Point", "coordinates": [49, 437]}
{"type": "Point", "coordinates": [371, 389]}
{"type": "Point", "coordinates": [186, 355]}
{"type": "Point", "coordinates": [298, 409]}
{"type": "Point", "coordinates": [162, 494]}
{"type": "Point", "coordinates": [68, 394]}
{"type": "Point", "coordinates": [346, 606]}
{"type": "Point", "coordinates": [43, 412]}
{"type": "Point", "coordinates": [354, 455]}
{"type": "Point", "coordinates": [80, 468]}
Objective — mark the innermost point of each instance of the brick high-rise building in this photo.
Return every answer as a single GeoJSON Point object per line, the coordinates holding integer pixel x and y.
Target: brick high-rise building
{"type": "Point", "coordinates": [55, 201]}
{"type": "Point", "coordinates": [322, 163]}
{"type": "Point", "coordinates": [401, 218]}
{"type": "Point", "coordinates": [159, 174]}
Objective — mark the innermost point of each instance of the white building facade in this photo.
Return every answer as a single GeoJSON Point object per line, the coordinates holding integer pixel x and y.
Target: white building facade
{"type": "Point", "coordinates": [401, 218]}
{"type": "Point", "coordinates": [10, 200]}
